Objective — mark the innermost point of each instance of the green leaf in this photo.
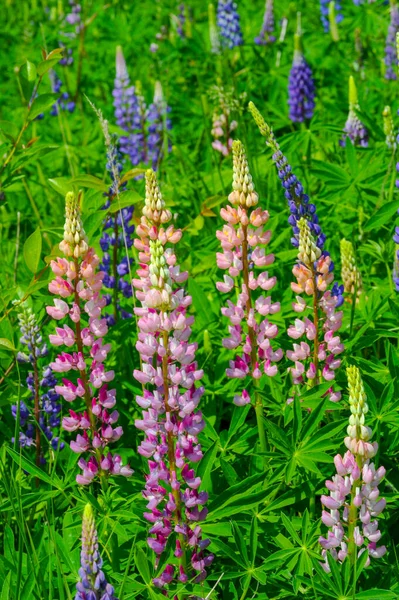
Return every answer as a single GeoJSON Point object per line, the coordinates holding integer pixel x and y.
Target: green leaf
{"type": "Point", "coordinates": [28, 71]}
{"type": "Point", "coordinates": [32, 251]}
{"type": "Point", "coordinates": [46, 65]}
{"type": "Point", "coordinates": [297, 421]}
{"type": "Point", "coordinates": [4, 343]}
{"type": "Point", "coordinates": [382, 216]}
{"type": "Point", "coordinates": [90, 181]}
{"type": "Point", "coordinates": [142, 564]}
{"type": "Point", "coordinates": [132, 173]}
{"type": "Point", "coordinates": [32, 469]}
{"type": "Point", "coordinates": [206, 465]}
{"type": "Point", "coordinates": [62, 185]}
{"type": "Point", "coordinates": [127, 198]}
{"type": "Point", "coordinates": [9, 130]}
{"type": "Point", "coordinates": [41, 104]}
{"type": "Point", "coordinates": [376, 594]}
{"type": "Point", "coordinates": [5, 590]}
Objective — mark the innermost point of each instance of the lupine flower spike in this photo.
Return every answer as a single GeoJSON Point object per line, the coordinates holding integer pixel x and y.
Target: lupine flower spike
{"type": "Point", "coordinates": [222, 123]}
{"type": "Point", "coordinates": [266, 36]}
{"type": "Point", "coordinates": [77, 283]}
{"type": "Point", "coordinates": [354, 128]}
{"type": "Point", "coordinates": [301, 89]}
{"type": "Point", "coordinates": [354, 502]}
{"type": "Point", "coordinates": [228, 21]}
{"type": "Point", "coordinates": [389, 128]}
{"type": "Point", "coordinates": [318, 360]}
{"type": "Point", "coordinates": [127, 114]}
{"type": "Point", "coordinates": [92, 584]}
{"type": "Point", "coordinates": [330, 15]}
{"type": "Point", "coordinates": [243, 240]}
{"type": "Point", "coordinates": [43, 416]}
{"type": "Point", "coordinates": [391, 55]}
{"type": "Point", "coordinates": [350, 272]}
{"type": "Point", "coordinates": [171, 421]}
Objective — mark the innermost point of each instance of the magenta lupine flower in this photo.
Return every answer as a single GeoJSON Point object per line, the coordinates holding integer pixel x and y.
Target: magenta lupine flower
{"type": "Point", "coordinates": [222, 128]}
{"type": "Point", "coordinates": [78, 283]}
{"type": "Point", "coordinates": [171, 421]}
{"type": "Point", "coordinates": [243, 240]}
{"type": "Point", "coordinates": [354, 501]}
{"type": "Point", "coordinates": [92, 584]}
{"type": "Point", "coordinates": [316, 356]}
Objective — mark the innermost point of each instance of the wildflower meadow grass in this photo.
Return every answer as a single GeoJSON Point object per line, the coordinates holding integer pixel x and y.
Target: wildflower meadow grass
{"type": "Point", "coordinates": [199, 319]}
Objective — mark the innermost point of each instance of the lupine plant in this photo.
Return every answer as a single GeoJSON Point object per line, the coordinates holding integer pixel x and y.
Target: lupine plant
{"type": "Point", "coordinates": [77, 283]}
{"type": "Point", "coordinates": [354, 128]}
{"type": "Point", "coordinates": [266, 35]}
{"type": "Point", "coordinates": [171, 421]}
{"type": "Point", "coordinates": [391, 59]}
{"type": "Point", "coordinates": [228, 21]}
{"type": "Point", "coordinates": [301, 89]}
{"type": "Point", "coordinates": [251, 333]}
{"type": "Point", "coordinates": [354, 501]}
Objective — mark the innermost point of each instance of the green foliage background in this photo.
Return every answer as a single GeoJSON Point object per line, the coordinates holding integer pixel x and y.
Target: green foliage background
{"type": "Point", "coordinates": [264, 528]}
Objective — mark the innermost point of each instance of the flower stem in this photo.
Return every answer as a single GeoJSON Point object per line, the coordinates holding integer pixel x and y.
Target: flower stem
{"type": "Point", "coordinates": [115, 269]}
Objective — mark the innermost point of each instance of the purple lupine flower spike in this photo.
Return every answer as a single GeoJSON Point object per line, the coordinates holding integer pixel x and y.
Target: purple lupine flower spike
{"type": "Point", "coordinates": [301, 89]}
{"type": "Point", "coordinates": [266, 35]}
{"type": "Point", "coordinates": [354, 128]}
{"type": "Point", "coordinates": [44, 406]}
{"type": "Point", "coordinates": [391, 57]}
{"type": "Point", "coordinates": [316, 361]}
{"type": "Point", "coordinates": [64, 102]}
{"type": "Point", "coordinates": [354, 503]}
{"type": "Point", "coordinates": [324, 10]}
{"type": "Point", "coordinates": [78, 284]}
{"type": "Point", "coordinates": [158, 124]}
{"type": "Point", "coordinates": [228, 21]}
{"type": "Point", "coordinates": [92, 584]}
{"type": "Point", "coordinates": [171, 420]}
{"type": "Point", "coordinates": [127, 112]}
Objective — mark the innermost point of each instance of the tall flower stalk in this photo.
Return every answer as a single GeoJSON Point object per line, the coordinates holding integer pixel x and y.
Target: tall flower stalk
{"type": "Point", "coordinates": [171, 421]}
{"type": "Point", "coordinates": [266, 35]}
{"type": "Point", "coordinates": [92, 584]}
{"type": "Point", "coordinates": [243, 240]}
{"type": "Point", "coordinates": [318, 360]}
{"type": "Point", "coordinates": [354, 128]}
{"type": "Point", "coordinates": [325, 12]}
{"type": "Point", "coordinates": [354, 502]}
{"type": "Point", "coordinates": [301, 89]}
{"type": "Point", "coordinates": [228, 21]}
{"type": "Point", "coordinates": [391, 58]}
{"type": "Point", "coordinates": [350, 272]}
{"type": "Point", "coordinates": [42, 417]}
{"type": "Point", "coordinates": [77, 284]}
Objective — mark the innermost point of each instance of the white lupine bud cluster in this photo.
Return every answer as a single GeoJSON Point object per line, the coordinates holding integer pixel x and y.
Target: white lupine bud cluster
{"type": "Point", "coordinates": [358, 432]}
{"type": "Point", "coordinates": [308, 252]}
{"type": "Point", "coordinates": [243, 188]}
{"type": "Point", "coordinates": [75, 240]}
{"type": "Point", "coordinates": [159, 271]}
{"type": "Point", "coordinates": [154, 208]}
{"type": "Point", "coordinates": [350, 273]}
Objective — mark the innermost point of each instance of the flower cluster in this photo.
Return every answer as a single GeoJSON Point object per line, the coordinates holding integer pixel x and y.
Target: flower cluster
{"type": "Point", "coordinates": [354, 501]}
{"type": "Point", "coordinates": [146, 128]}
{"type": "Point", "coordinates": [389, 128]}
{"type": "Point", "coordinates": [222, 128]}
{"type": "Point", "coordinates": [171, 421]}
{"type": "Point", "coordinates": [243, 240]}
{"type": "Point", "coordinates": [301, 89]}
{"type": "Point", "coordinates": [92, 584]}
{"type": "Point", "coordinates": [350, 273]}
{"type": "Point", "coordinates": [313, 273]}
{"type": "Point", "coordinates": [354, 128]}
{"type": "Point", "coordinates": [42, 416]}
{"type": "Point", "coordinates": [78, 284]}
{"type": "Point", "coordinates": [64, 102]}
{"type": "Point", "coordinates": [228, 21]}
{"type": "Point", "coordinates": [266, 36]}
{"type": "Point", "coordinates": [127, 112]}
{"type": "Point", "coordinates": [71, 27]}
{"type": "Point", "coordinates": [158, 124]}
{"type": "Point", "coordinates": [324, 13]}
{"type": "Point", "coordinates": [298, 202]}
{"type": "Point", "coordinates": [391, 58]}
